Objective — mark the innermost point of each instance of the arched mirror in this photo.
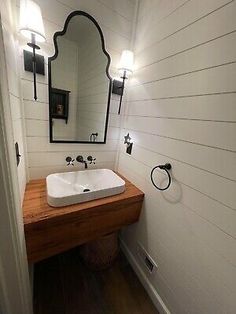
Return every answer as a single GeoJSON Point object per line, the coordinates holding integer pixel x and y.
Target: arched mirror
{"type": "Point", "coordinates": [79, 82]}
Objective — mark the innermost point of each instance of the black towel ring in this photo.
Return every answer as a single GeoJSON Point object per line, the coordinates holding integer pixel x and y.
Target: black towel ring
{"type": "Point", "coordinates": [165, 167]}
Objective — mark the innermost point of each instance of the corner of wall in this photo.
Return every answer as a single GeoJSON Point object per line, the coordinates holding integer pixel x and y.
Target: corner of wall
{"type": "Point", "coordinates": [14, 90]}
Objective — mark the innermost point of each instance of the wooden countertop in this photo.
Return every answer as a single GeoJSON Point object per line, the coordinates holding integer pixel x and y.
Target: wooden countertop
{"type": "Point", "coordinates": [36, 208]}
{"type": "Point", "coordinates": [50, 230]}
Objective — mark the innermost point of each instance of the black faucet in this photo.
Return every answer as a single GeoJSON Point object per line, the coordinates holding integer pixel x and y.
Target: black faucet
{"type": "Point", "coordinates": [81, 159]}
{"type": "Point", "coordinates": [90, 159]}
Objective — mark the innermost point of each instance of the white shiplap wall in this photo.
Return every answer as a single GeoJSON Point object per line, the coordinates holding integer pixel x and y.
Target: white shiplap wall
{"type": "Point", "coordinates": [93, 89]}
{"type": "Point", "coordinates": [13, 81]}
{"type": "Point", "coordinates": [182, 109]}
{"type": "Point", "coordinates": [115, 19]}
{"type": "Point", "coordinates": [65, 76]}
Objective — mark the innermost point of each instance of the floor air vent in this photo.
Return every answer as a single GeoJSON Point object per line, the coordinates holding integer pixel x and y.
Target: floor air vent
{"type": "Point", "coordinates": [149, 264]}
{"type": "Point", "coordinates": [146, 259]}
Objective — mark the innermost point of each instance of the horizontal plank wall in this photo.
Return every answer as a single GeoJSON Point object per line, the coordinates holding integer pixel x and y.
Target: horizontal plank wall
{"type": "Point", "coordinates": [13, 79]}
{"type": "Point", "coordinates": [115, 19]}
{"type": "Point", "coordinates": [181, 109]}
{"type": "Point", "coordinates": [92, 89]}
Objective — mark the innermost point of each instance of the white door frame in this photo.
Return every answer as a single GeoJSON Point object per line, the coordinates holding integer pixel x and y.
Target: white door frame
{"type": "Point", "coordinates": [15, 292]}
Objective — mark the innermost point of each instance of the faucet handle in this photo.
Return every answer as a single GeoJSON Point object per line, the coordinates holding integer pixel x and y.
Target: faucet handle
{"type": "Point", "coordinates": [70, 161]}
{"type": "Point", "coordinates": [91, 159]}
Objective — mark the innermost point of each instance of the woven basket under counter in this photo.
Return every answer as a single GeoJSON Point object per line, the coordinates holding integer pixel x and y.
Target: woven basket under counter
{"type": "Point", "coordinates": [101, 253]}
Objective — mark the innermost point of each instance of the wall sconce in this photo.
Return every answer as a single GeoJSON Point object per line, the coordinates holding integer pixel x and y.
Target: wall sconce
{"type": "Point", "coordinates": [129, 144]}
{"type": "Point", "coordinates": [31, 26]}
{"type": "Point", "coordinates": [126, 68]}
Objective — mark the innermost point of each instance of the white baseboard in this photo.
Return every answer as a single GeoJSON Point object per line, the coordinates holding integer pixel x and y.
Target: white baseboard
{"type": "Point", "coordinates": [156, 299]}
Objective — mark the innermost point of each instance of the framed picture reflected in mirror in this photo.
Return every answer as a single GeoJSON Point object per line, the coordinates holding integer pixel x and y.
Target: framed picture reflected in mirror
{"type": "Point", "coordinates": [59, 104]}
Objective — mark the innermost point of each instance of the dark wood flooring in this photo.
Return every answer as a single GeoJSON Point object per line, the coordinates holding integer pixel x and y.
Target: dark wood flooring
{"type": "Point", "coordinates": [64, 285]}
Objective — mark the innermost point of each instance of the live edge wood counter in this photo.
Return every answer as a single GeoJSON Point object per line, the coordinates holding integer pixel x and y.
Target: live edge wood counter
{"type": "Point", "coordinates": [50, 230]}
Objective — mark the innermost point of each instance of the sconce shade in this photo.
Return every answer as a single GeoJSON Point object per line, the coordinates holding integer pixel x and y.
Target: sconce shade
{"type": "Point", "coordinates": [126, 61]}
{"type": "Point", "coordinates": [31, 21]}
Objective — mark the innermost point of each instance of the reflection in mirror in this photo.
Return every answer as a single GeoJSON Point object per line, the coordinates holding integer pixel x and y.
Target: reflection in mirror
{"type": "Point", "coordinates": [79, 83]}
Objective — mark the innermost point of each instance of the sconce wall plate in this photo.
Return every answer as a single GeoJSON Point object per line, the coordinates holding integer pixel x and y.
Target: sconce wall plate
{"type": "Point", "coordinates": [128, 143]}
{"type": "Point", "coordinates": [117, 87]}
{"type": "Point", "coordinates": [28, 62]}
{"type": "Point", "coordinates": [129, 148]}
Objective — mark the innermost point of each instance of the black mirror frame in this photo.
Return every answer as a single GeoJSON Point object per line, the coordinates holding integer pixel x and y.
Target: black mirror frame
{"type": "Point", "coordinates": [50, 59]}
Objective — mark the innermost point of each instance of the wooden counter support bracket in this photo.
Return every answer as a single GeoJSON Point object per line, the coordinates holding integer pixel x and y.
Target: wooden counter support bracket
{"type": "Point", "coordinates": [49, 230]}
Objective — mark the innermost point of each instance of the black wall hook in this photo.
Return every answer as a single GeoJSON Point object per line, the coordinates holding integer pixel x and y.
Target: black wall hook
{"type": "Point", "coordinates": [166, 166]}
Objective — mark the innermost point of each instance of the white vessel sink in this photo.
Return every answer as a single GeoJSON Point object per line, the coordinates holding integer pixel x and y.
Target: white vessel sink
{"type": "Point", "coordinates": [81, 186]}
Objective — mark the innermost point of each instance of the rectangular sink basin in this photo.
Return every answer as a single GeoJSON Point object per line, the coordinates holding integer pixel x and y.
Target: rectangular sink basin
{"type": "Point", "coordinates": [81, 186]}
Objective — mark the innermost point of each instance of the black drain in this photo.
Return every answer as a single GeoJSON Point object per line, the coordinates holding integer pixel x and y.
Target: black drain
{"type": "Point", "coordinates": [86, 190]}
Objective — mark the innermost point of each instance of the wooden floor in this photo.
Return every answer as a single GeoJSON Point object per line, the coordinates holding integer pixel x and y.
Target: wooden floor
{"type": "Point", "coordinates": [64, 285]}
